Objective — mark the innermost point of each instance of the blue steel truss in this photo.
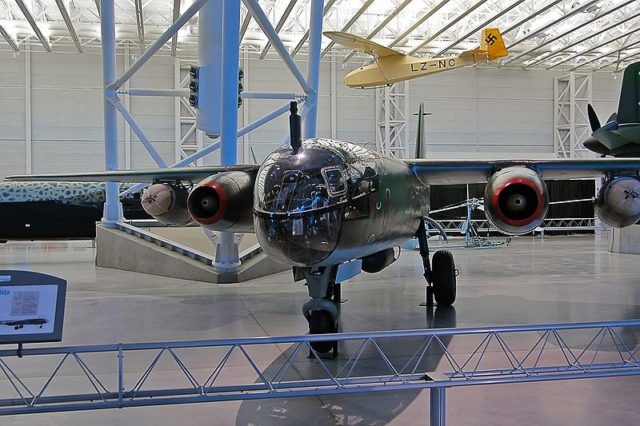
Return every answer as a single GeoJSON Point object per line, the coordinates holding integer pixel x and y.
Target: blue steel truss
{"type": "Point", "coordinates": [145, 374]}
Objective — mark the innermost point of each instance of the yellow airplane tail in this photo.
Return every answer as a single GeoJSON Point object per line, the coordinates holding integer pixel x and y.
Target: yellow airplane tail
{"type": "Point", "coordinates": [491, 41]}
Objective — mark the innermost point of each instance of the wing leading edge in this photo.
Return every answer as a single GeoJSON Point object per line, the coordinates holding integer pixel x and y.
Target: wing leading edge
{"type": "Point", "coordinates": [137, 176]}
{"type": "Point", "coordinates": [450, 172]}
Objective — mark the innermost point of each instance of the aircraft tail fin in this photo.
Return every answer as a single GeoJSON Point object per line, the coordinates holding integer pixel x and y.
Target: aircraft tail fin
{"type": "Point", "coordinates": [491, 41]}
{"type": "Point", "coordinates": [420, 143]}
{"type": "Point", "coordinates": [629, 105]}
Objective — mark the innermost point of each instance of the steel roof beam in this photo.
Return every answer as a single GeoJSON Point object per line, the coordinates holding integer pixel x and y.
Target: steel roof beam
{"type": "Point", "coordinates": [446, 27]}
{"type": "Point", "coordinates": [419, 22]}
{"type": "Point", "coordinates": [582, 39]}
{"type": "Point", "coordinates": [98, 6]}
{"type": "Point", "coordinates": [245, 25]}
{"type": "Point", "coordinates": [348, 25]}
{"type": "Point", "coordinates": [527, 18]}
{"type": "Point", "coordinates": [304, 38]}
{"type": "Point", "coordinates": [140, 24]}
{"type": "Point", "coordinates": [604, 55]}
{"type": "Point", "coordinates": [481, 26]}
{"type": "Point", "coordinates": [381, 25]}
{"type": "Point", "coordinates": [552, 23]}
{"type": "Point", "coordinates": [569, 31]}
{"type": "Point", "coordinates": [174, 39]}
{"type": "Point", "coordinates": [630, 56]}
{"type": "Point", "coordinates": [9, 39]}
{"type": "Point", "coordinates": [632, 31]}
{"type": "Point", "coordinates": [67, 21]}
{"type": "Point", "coordinates": [279, 26]}
{"type": "Point", "coordinates": [34, 26]}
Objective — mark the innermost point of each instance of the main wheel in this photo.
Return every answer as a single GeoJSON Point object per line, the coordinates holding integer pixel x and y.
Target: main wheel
{"type": "Point", "coordinates": [443, 275]}
{"type": "Point", "coordinates": [321, 322]}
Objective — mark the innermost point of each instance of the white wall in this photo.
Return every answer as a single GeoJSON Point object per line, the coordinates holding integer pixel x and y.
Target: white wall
{"type": "Point", "coordinates": [476, 111]}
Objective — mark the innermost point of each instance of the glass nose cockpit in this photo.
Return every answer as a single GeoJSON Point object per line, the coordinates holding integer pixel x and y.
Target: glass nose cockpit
{"type": "Point", "coordinates": [299, 203]}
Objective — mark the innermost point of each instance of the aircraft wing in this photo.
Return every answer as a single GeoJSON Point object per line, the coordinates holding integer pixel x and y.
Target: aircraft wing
{"type": "Point", "coordinates": [193, 174]}
{"type": "Point", "coordinates": [450, 172]}
{"type": "Point", "coordinates": [361, 44]}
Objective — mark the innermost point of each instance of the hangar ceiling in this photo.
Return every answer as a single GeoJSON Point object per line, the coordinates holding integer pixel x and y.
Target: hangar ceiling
{"type": "Point", "coordinates": [581, 35]}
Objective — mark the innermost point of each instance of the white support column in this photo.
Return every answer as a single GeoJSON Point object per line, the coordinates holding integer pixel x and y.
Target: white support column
{"type": "Point", "coordinates": [392, 111]}
{"type": "Point", "coordinates": [27, 108]}
{"type": "Point", "coordinates": [334, 96]}
{"type": "Point", "coordinates": [246, 116]}
{"type": "Point", "coordinates": [127, 104]}
{"type": "Point", "coordinates": [177, 123]}
{"type": "Point", "coordinates": [571, 93]}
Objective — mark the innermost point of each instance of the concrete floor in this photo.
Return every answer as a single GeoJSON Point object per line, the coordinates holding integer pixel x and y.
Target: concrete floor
{"type": "Point", "coordinates": [558, 279]}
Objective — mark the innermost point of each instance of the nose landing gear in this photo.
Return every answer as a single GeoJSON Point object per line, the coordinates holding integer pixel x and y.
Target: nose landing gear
{"type": "Point", "coordinates": [321, 311]}
{"type": "Point", "coordinates": [440, 274]}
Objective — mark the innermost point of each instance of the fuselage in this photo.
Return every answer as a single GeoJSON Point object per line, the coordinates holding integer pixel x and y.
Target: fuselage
{"type": "Point", "coordinates": [332, 202]}
{"type": "Point", "coordinates": [392, 69]}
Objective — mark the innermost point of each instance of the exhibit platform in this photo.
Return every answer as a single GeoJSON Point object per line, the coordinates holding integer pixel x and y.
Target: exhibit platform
{"type": "Point", "coordinates": [185, 253]}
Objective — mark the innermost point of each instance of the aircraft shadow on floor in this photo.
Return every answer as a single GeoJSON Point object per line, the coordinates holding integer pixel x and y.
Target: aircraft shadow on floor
{"type": "Point", "coordinates": [364, 409]}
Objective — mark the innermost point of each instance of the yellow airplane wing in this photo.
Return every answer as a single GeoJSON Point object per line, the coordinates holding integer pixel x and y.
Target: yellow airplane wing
{"type": "Point", "coordinates": [361, 44]}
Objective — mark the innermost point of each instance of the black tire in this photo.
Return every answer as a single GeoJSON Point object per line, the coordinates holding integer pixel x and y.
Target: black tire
{"type": "Point", "coordinates": [321, 322]}
{"type": "Point", "coordinates": [443, 274]}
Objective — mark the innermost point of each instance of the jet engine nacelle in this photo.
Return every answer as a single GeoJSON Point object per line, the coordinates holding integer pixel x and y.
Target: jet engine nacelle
{"type": "Point", "coordinates": [376, 262]}
{"type": "Point", "coordinates": [224, 202]}
{"type": "Point", "coordinates": [167, 203]}
{"type": "Point", "coordinates": [516, 200]}
{"type": "Point", "coordinates": [618, 202]}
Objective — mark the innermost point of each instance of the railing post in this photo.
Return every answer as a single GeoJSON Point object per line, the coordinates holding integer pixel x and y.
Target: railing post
{"type": "Point", "coordinates": [437, 406]}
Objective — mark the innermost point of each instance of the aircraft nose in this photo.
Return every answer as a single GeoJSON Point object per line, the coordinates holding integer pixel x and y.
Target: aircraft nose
{"type": "Point", "coordinates": [299, 240]}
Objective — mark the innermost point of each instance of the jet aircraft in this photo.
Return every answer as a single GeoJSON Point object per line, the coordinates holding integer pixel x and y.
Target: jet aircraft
{"type": "Point", "coordinates": [392, 66]}
{"type": "Point", "coordinates": [620, 136]}
{"type": "Point", "coordinates": [326, 206]}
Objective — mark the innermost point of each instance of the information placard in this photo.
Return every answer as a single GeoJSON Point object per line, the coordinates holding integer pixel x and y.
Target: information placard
{"type": "Point", "coordinates": [31, 307]}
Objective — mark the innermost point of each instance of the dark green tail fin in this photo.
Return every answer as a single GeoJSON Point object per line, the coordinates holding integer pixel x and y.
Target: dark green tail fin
{"type": "Point", "coordinates": [420, 146]}
{"type": "Point", "coordinates": [629, 106]}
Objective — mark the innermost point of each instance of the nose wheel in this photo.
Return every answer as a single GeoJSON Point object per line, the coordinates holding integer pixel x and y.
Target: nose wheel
{"type": "Point", "coordinates": [440, 273]}
{"type": "Point", "coordinates": [321, 311]}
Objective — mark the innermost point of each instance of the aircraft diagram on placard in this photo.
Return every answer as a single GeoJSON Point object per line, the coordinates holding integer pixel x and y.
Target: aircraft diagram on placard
{"type": "Point", "coordinates": [392, 66]}
{"type": "Point", "coordinates": [18, 324]}
{"type": "Point", "coordinates": [326, 206]}
{"type": "Point", "coordinates": [620, 136]}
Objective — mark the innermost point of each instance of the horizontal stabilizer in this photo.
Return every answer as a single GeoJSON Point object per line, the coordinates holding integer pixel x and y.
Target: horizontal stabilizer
{"type": "Point", "coordinates": [361, 44]}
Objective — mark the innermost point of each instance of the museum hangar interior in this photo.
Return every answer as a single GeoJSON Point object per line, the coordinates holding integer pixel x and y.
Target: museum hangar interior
{"type": "Point", "coordinates": [492, 164]}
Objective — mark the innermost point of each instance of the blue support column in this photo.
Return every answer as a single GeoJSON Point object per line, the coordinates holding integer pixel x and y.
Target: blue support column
{"type": "Point", "coordinates": [112, 207]}
{"type": "Point", "coordinates": [227, 258]}
{"type": "Point", "coordinates": [313, 67]}
{"type": "Point", "coordinates": [437, 407]}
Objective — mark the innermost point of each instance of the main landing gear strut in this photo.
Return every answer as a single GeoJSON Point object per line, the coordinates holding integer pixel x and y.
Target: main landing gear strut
{"type": "Point", "coordinates": [440, 273]}
{"type": "Point", "coordinates": [321, 311]}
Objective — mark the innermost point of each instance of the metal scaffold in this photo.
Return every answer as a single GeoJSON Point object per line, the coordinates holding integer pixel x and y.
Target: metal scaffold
{"type": "Point", "coordinates": [219, 43]}
{"type": "Point", "coordinates": [392, 120]}
{"type": "Point", "coordinates": [571, 95]}
{"type": "Point", "coordinates": [153, 374]}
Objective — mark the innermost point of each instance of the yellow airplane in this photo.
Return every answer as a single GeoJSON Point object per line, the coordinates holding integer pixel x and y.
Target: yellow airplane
{"type": "Point", "coordinates": [392, 66]}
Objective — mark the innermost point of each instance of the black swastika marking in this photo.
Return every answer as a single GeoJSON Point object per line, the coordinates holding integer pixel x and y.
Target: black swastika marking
{"type": "Point", "coordinates": [491, 39]}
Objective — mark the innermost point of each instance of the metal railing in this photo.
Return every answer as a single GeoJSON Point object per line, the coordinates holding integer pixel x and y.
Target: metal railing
{"type": "Point", "coordinates": [453, 226]}
{"type": "Point", "coordinates": [145, 374]}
